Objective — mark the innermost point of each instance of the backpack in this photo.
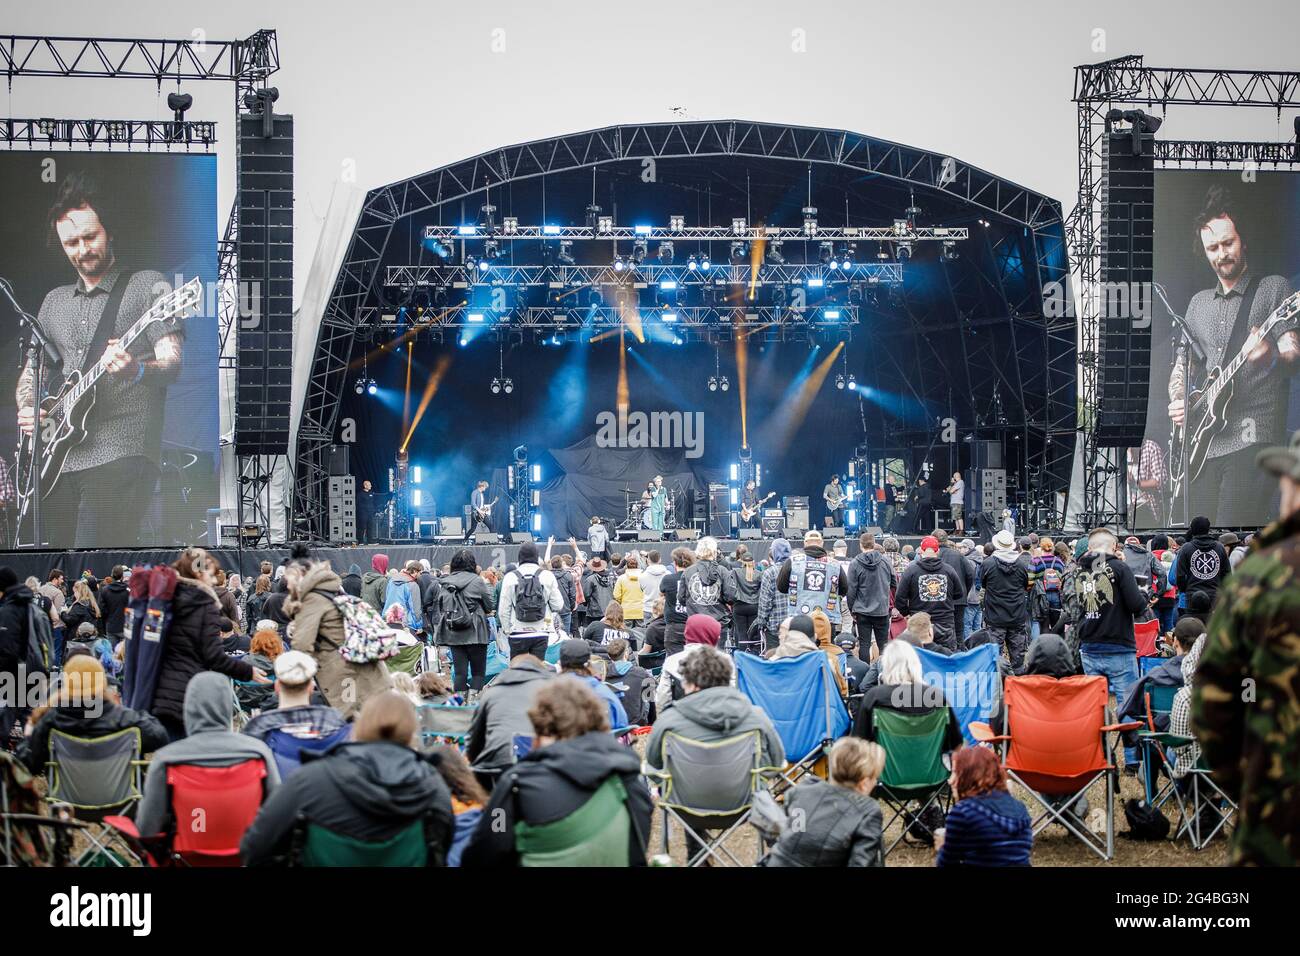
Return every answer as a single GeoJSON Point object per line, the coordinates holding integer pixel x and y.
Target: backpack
{"type": "Point", "coordinates": [1145, 822]}
{"type": "Point", "coordinates": [1052, 580]}
{"type": "Point", "coordinates": [367, 637]}
{"type": "Point", "coordinates": [530, 598]}
{"type": "Point", "coordinates": [454, 609]}
{"type": "Point", "coordinates": [39, 656]}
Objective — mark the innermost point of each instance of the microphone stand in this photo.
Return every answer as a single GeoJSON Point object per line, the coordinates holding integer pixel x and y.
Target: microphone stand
{"type": "Point", "coordinates": [1183, 345]}
{"type": "Point", "coordinates": [38, 347]}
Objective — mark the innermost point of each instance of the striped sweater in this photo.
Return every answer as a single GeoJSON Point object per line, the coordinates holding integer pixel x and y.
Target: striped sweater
{"type": "Point", "coordinates": [989, 830]}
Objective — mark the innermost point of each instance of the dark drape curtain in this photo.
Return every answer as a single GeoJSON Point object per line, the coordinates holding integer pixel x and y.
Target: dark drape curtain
{"type": "Point", "coordinates": [593, 480]}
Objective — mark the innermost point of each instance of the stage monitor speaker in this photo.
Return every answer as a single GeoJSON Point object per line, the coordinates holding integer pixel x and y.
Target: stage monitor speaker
{"type": "Point", "coordinates": [688, 534]}
{"type": "Point", "coordinates": [451, 526]}
{"type": "Point", "coordinates": [521, 537]}
{"type": "Point", "coordinates": [832, 533]}
{"type": "Point", "coordinates": [877, 531]}
{"type": "Point", "coordinates": [750, 534]}
{"type": "Point", "coordinates": [486, 537]}
{"type": "Point", "coordinates": [1123, 358]}
{"type": "Point", "coordinates": [648, 534]}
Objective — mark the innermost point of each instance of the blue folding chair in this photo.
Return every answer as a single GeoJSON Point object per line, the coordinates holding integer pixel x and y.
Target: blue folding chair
{"type": "Point", "coordinates": [970, 681]}
{"type": "Point", "coordinates": [800, 697]}
{"type": "Point", "coordinates": [1147, 664]}
{"type": "Point", "coordinates": [287, 748]}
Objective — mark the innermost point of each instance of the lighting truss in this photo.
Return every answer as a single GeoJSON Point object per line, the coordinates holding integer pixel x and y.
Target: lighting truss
{"type": "Point", "coordinates": [701, 233]}
{"type": "Point", "coordinates": [562, 277]}
{"type": "Point", "coordinates": [110, 133]}
{"type": "Point", "coordinates": [600, 318]}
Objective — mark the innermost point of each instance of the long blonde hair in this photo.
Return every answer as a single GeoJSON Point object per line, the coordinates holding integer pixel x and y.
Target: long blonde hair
{"type": "Point", "coordinates": [81, 592]}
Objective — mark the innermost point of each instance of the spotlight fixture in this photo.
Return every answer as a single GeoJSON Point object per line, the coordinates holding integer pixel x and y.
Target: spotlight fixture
{"type": "Point", "coordinates": [665, 252]}
{"type": "Point", "coordinates": [738, 254]}
{"type": "Point", "coordinates": [713, 383]}
{"type": "Point", "coordinates": [676, 223]}
{"type": "Point", "coordinates": [705, 264]}
{"type": "Point", "coordinates": [604, 224]}
{"type": "Point", "coordinates": [487, 217]}
{"type": "Point", "coordinates": [839, 382]}
{"type": "Point", "coordinates": [738, 227]}
{"type": "Point", "coordinates": [723, 383]}
{"type": "Point", "coordinates": [904, 251]}
{"type": "Point", "coordinates": [372, 387]}
{"type": "Point", "coordinates": [640, 249]}
{"type": "Point", "coordinates": [692, 264]}
{"type": "Point", "coordinates": [593, 216]}
{"type": "Point", "coordinates": [847, 256]}
{"type": "Point", "coordinates": [773, 253]}
{"type": "Point", "coordinates": [619, 264]}
{"type": "Point", "coordinates": [826, 253]}
{"type": "Point", "coordinates": [508, 386]}
{"type": "Point", "coordinates": [360, 386]}
{"type": "Point", "coordinates": [881, 254]}
{"type": "Point", "coordinates": [495, 386]}
{"type": "Point", "coordinates": [510, 225]}
{"type": "Point", "coordinates": [565, 255]}
{"type": "Point", "coordinates": [810, 221]}
{"type": "Point", "coordinates": [949, 253]}
{"type": "Point", "coordinates": [853, 383]}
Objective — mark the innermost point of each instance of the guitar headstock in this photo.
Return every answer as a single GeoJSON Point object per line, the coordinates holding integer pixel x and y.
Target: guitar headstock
{"type": "Point", "coordinates": [181, 303]}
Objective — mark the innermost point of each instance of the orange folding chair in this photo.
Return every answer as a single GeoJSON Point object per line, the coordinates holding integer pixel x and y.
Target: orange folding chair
{"type": "Point", "coordinates": [1056, 746]}
{"type": "Point", "coordinates": [1147, 636]}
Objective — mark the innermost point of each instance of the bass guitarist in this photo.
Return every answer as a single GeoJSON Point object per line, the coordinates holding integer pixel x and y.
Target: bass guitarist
{"type": "Point", "coordinates": [1223, 321]}
{"type": "Point", "coordinates": [107, 481]}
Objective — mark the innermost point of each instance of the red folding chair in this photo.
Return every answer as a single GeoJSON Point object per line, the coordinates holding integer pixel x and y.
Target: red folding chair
{"type": "Point", "coordinates": [211, 806]}
{"type": "Point", "coordinates": [1056, 746]}
{"type": "Point", "coordinates": [1147, 636]}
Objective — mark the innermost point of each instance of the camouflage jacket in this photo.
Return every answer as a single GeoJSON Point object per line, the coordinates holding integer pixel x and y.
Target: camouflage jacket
{"type": "Point", "coordinates": [1246, 697]}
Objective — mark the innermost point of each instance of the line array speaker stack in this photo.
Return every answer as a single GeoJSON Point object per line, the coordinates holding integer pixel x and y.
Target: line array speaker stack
{"type": "Point", "coordinates": [343, 509]}
{"type": "Point", "coordinates": [719, 524]}
{"type": "Point", "coordinates": [265, 251]}
{"type": "Point", "coordinates": [990, 487]}
{"type": "Point", "coordinates": [1127, 252]}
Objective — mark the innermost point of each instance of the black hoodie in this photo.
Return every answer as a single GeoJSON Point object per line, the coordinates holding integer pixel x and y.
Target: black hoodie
{"type": "Point", "coordinates": [929, 584]}
{"type": "Point", "coordinates": [552, 782]}
{"type": "Point", "coordinates": [13, 627]}
{"type": "Point", "coordinates": [871, 577]}
{"type": "Point", "coordinates": [1202, 564]}
{"type": "Point", "coordinates": [367, 791]}
{"type": "Point", "coordinates": [1108, 598]}
{"type": "Point", "coordinates": [113, 599]}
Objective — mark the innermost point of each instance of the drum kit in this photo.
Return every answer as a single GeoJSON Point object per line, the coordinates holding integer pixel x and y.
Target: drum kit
{"type": "Point", "coordinates": [639, 515]}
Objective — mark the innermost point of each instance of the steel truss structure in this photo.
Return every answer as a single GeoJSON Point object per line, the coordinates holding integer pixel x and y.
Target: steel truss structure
{"type": "Point", "coordinates": [48, 133]}
{"type": "Point", "coordinates": [411, 277]}
{"type": "Point", "coordinates": [1012, 286]}
{"type": "Point", "coordinates": [904, 232]}
{"type": "Point", "coordinates": [247, 63]}
{"type": "Point", "coordinates": [1098, 88]}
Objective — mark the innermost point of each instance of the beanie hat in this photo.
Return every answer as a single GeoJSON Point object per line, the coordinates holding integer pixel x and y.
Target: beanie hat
{"type": "Point", "coordinates": [804, 625]}
{"type": "Point", "coordinates": [1200, 525]}
{"type": "Point", "coordinates": [7, 578]}
{"type": "Point", "coordinates": [929, 543]}
{"type": "Point", "coordinates": [295, 668]}
{"type": "Point", "coordinates": [83, 679]}
{"type": "Point", "coordinates": [702, 629]}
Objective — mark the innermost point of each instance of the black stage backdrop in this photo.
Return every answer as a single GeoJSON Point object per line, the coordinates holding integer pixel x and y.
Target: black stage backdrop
{"type": "Point", "coordinates": [559, 392]}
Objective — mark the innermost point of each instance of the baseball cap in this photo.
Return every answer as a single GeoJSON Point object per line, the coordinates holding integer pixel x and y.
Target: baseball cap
{"type": "Point", "coordinates": [1281, 459]}
{"type": "Point", "coordinates": [295, 668]}
{"type": "Point", "coordinates": [846, 640]}
{"type": "Point", "coordinates": [812, 536]}
{"type": "Point", "coordinates": [574, 652]}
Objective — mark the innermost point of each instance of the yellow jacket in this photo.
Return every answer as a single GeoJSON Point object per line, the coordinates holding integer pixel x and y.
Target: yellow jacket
{"type": "Point", "coordinates": [627, 592]}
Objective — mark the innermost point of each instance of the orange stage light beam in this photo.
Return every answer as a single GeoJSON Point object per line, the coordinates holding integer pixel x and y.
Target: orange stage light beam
{"type": "Point", "coordinates": [742, 384]}
{"type": "Point", "coordinates": [430, 388]}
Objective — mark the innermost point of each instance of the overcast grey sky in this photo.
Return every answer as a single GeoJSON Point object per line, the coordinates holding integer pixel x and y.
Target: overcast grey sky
{"type": "Point", "coordinates": [397, 88]}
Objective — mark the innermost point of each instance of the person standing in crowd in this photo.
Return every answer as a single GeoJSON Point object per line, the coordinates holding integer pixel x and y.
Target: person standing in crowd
{"type": "Point", "coordinates": [226, 597]}
{"type": "Point", "coordinates": [987, 826]}
{"type": "Point", "coordinates": [871, 583]}
{"type": "Point", "coordinates": [965, 570]}
{"type": "Point", "coordinates": [369, 789]}
{"type": "Point", "coordinates": [465, 605]}
{"type": "Point", "coordinates": [52, 591]}
{"type": "Point", "coordinates": [572, 758]}
{"type": "Point", "coordinates": [1006, 598]}
{"type": "Point", "coordinates": [530, 598]}
{"type": "Point", "coordinates": [929, 584]}
{"type": "Point", "coordinates": [745, 610]}
{"type": "Point", "coordinates": [404, 591]}
{"type": "Point", "coordinates": [1166, 606]}
{"type": "Point", "coordinates": [706, 587]}
{"type": "Point", "coordinates": [255, 607]}
{"type": "Point", "coordinates": [1252, 742]}
{"type": "Point", "coordinates": [15, 623]}
{"type": "Point", "coordinates": [675, 612]}
{"type": "Point", "coordinates": [629, 593]}
{"type": "Point", "coordinates": [374, 584]}
{"type": "Point", "coordinates": [840, 824]}
{"type": "Point", "coordinates": [1110, 598]}
{"type": "Point", "coordinates": [1202, 565]}
{"type": "Point", "coordinates": [1047, 577]}
{"type": "Point", "coordinates": [114, 596]}
{"type": "Point", "coordinates": [193, 641]}
{"type": "Point", "coordinates": [652, 578]}
{"type": "Point", "coordinates": [810, 579]}
{"type": "Point", "coordinates": [83, 610]}
{"type": "Point", "coordinates": [568, 591]}
{"type": "Point", "coordinates": [1146, 567]}
{"type": "Point", "coordinates": [318, 630]}
{"type": "Point", "coordinates": [598, 588]}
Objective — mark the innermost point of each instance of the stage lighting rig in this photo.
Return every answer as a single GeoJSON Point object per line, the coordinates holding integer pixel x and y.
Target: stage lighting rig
{"type": "Point", "coordinates": [738, 252]}
{"type": "Point", "coordinates": [949, 253]}
{"type": "Point", "coordinates": [839, 382]}
{"type": "Point", "coordinates": [826, 253]}
{"type": "Point", "coordinates": [372, 387]}
{"type": "Point", "coordinates": [565, 255]}
{"type": "Point", "coordinates": [487, 217]}
{"type": "Point", "coordinates": [723, 383]}
{"type": "Point", "coordinates": [847, 257]}
{"type": "Point", "coordinates": [665, 252]}
{"type": "Point", "coordinates": [692, 264]}
{"type": "Point", "coordinates": [713, 383]}
{"type": "Point", "coordinates": [738, 227]}
{"type": "Point", "coordinates": [640, 249]}
{"type": "Point", "coordinates": [360, 386]}
{"type": "Point", "coordinates": [773, 253]}
{"type": "Point", "coordinates": [676, 223]}
{"type": "Point", "coordinates": [604, 225]}
{"type": "Point", "coordinates": [510, 225]}
{"type": "Point", "coordinates": [903, 252]}
{"type": "Point", "coordinates": [619, 264]}
{"type": "Point", "coordinates": [810, 221]}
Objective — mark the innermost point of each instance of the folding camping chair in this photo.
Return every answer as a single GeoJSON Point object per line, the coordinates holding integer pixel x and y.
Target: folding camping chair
{"type": "Point", "coordinates": [970, 681]}
{"type": "Point", "coordinates": [914, 771]}
{"type": "Point", "coordinates": [25, 841]}
{"type": "Point", "coordinates": [1147, 637]}
{"type": "Point", "coordinates": [800, 697]}
{"type": "Point", "coordinates": [226, 799]}
{"type": "Point", "coordinates": [287, 748]}
{"type": "Point", "coordinates": [315, 845]}
{"type": "Point", "coordinates": [709, 786]}
{"type": "Point", "coordinates": [1159, 702]}
{"type": "Point", "coordinates": [91, 778]}
{"type": "Point", "coordinates": [1203, 797]}
{"type": "Point", "coordinates": [445, 723]}
{"type": "Point", "coordinates": [1056, 746]}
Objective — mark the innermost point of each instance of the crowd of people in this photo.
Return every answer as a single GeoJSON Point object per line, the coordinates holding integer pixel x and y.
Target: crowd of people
{"type": "Point", "coordinates": [565, 659]}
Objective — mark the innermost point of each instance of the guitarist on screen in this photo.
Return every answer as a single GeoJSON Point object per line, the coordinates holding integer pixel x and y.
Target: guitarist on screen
{"type": "Point", "coordinates": [107, 481]}
{"type": "Point", "coordinates": [1229, 489]}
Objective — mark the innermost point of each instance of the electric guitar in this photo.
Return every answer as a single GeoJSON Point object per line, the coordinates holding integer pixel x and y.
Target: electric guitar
{"type": "Point", "coordinates": [747, 513]}
{"type": "Point", "coordinates": [1207, 406]}
{"type": "Point", "coordinates": [485, 512]}
{"type": "Point", "coordinates": [63, 416]}
{"type": "Point", "coordinates": [833, 502]}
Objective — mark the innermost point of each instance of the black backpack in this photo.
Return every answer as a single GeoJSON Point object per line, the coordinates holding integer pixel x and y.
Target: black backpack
{"type": "Point", "coordinates": [454, 609]}
{"type": "Point", "coordinates": [1145, 822]}
{"type": "Point", "coordinates": [39, 654]}
{"type": "Point", "coordinates": [530, 598]}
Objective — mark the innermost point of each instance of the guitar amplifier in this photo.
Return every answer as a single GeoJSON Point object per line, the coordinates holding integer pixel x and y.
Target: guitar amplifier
{"type": "Point", "coordinates": [451, 526]}
{"type": "Point", "coordinates": [797, 518]}
{"type": "Point", "coordinates": [750, 534]}
{"type": "Point", "coordinates": [795, 503]}
{"type": "Point", "coordinates": [773, 521]}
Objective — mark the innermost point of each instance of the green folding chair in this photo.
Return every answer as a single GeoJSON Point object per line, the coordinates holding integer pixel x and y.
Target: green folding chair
{"type": "Point", "coordinates": [91, 778]}
{"type": "Point", "coordinates": [914, 773]}
{"type": "Point", "coordinates": [315, 845]}
{"type": "Point", "coordinates": [596, 834]}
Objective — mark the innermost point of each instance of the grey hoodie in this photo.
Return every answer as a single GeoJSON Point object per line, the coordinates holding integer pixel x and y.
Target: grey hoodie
{"type": "Point", "coordinates": [712, 714]}
{"type": "Point", "coordinates": [871, 576]}
{"type": "Point", "coordinates": [209, 707]}
{"type": "Point", "coordinates": [503, 713]}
